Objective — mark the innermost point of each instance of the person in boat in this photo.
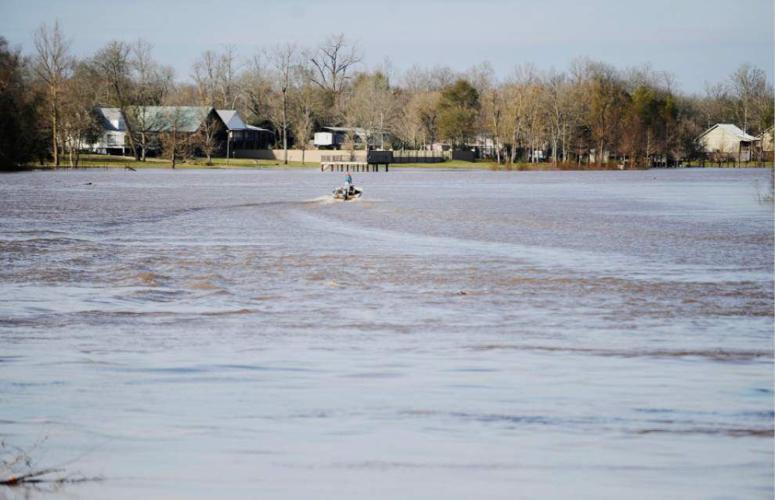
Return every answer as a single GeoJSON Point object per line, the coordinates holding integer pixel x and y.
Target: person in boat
{"type": "Point", "coordinates": [348, 183]}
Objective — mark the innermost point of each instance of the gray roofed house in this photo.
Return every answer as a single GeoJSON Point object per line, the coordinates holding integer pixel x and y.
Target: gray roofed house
{"type": "Point", "coordinates": [242, 136]}
{"type": "Point", "coordinates": [231, 132]}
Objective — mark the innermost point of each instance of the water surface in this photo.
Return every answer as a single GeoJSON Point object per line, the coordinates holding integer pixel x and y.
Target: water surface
{"type": "Point", "coordinates": [187, 334]}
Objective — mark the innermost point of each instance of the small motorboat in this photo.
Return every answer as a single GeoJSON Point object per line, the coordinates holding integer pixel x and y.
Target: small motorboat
{"type": "Point", "coordinates": [347, 193]}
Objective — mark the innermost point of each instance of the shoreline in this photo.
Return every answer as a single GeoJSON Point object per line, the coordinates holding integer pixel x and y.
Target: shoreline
{"type": "Point", "coordinates": [436, 167]}
{"type": "Point", "coordinates": [122, 162]}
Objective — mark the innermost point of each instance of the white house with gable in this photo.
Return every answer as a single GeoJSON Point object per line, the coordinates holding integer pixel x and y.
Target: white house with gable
{"type": "Point", "coordinates": [726, 141]}
{"type": "Point", "coordinates": [113, 137]}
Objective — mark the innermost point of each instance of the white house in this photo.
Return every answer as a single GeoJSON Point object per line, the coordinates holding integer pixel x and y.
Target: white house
{"type": "Point", "coordinates": [112, 140]}
{"type": "Point", "coordinates": [727, 141]}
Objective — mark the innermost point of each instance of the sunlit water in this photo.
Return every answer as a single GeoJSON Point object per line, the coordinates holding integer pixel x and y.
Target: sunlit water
{"type": "Point", "coordinates": [224, 334]}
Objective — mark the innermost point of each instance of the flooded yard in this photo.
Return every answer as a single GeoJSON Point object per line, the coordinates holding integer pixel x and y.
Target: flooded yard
{"type": "Point", "coordinates": [466, 334]}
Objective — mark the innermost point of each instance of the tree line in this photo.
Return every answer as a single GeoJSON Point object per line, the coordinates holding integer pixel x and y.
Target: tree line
{"type": "Point", "coordinates": [47, 98]}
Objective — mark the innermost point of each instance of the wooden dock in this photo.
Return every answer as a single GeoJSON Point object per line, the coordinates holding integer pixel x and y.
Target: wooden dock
{"type": "Point", "coordinates": [351, 166]}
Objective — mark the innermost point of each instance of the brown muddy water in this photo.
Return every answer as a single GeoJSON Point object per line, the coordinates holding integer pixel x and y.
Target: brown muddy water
{"type": "Point", "coordinates": [235, 334]}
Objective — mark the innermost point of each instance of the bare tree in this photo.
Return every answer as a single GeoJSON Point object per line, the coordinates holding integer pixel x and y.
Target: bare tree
{"type": "Point", "coordinates": [716, 105]}
{"type": "Point", "coordinates": [227, 76]}
{"type": "Point", "coordinates": [517, 107]}
{"type": "Point", "coordinates": [152, 83]}
{"type": "Point", "coordinates": [605, 109]}
{"type": "Point", "coordinates": [175, 143]}
{"type": "Point", "coordinates": [206, 138]}
{"type": "Point", "coordinates": [748, 84]}
{"type": "Point", "coordinates": [78, 124]}
{"type": "Point", "coordinates": [114, 64]}
{"type": "Point", "coordinates": [256, 88]}
{"type": "Point", "coordinates": [332, 60]}
{"type": "Point", "coordinates": [284, 59]}
{"type": "Point", "coordinates": [423, 110]}
{"type": "Point", "coordinates": [373, 106]}
{"type": "Point", "coordinates": [305, 103]}
{"type": "Point", "coordinates": [557, 91]}
{"type": "Point", "coordinates": [215, 83]}
{"type": "Point", "coordinates": [53, 65]}
{"type": "Point", "coordinates": [205, 76]}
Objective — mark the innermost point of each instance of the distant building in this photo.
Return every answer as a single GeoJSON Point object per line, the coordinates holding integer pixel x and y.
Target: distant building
{"type": "Point", "coordinates": [336, 137]}
{"type": "Point", "coordinates": [242, 136]}
{"type": "Point", "coordinates": [725, 141]}
{"type": "Point", "coordinates": [112, 140]}
{"type": "Point", "coordinates": [231, 133]}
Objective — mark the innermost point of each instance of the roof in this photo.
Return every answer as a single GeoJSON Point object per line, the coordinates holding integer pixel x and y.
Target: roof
{"type": "Point", "coordinates": [161, 118]}
{"type": "Point", "coordinates": [111, 118]}
{"type": "Point", "coordinates": [730, 129]}
{"type": "Point", "coordinates": [345, 129]}
{"type": "Point", "coordinates": [258, 129]}
{"type": "Point", "coordinates": [166, 118]}
{"type": "Point", "coordinates": [231, 119]}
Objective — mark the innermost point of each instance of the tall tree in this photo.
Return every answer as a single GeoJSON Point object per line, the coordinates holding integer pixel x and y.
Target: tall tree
{"type": "Point", "coordinates": [20, 103]}
{"type": "Point", "coordinates": [284, 59]}
{"type": "Point", "coordinates": [214, 79]}
{"type": "Point", "coordinates": [79, 126]}
{"type": "Point", "coordinates": [333, 59]}
{"type": "Point", "coordinates": [557, 90]}
{"type": "Point", "coordinates": [114, 64]}
{"type": "Point", "coordinates": [604, 112]}
{"type": "Point", "coordinates": [53, 65]}
{"type": "Point", "coordinates": [373, 106]}
{"type": "Point", "coordinates": [458, 112]}
{"type": "Point", "coordinates": [422, 116]}
{"type": "Point", "coordinates": [305, 105]}
{"type": "Point", "coordinates": [748, 83]}
{"type": "Point", "coordinates": [256, 88]}
{"type": "Point", "coordinates": [152, 83]}
{"type": "Point", "coordinates": [752, 98]}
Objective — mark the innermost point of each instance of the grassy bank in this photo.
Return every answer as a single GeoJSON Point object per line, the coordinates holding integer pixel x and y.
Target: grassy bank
{"type": "Point", "coordinates": [106, 161]}
{"type": "Point", "coordinates": [491, 165]}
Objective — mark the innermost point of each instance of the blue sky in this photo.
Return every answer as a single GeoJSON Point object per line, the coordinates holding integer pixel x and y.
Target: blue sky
{"type": "Point", "coordinates": [697, 40]}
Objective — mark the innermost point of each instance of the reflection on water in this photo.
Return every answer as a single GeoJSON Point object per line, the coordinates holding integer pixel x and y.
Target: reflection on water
{"type": "Point", "coordinates": [451, 334]}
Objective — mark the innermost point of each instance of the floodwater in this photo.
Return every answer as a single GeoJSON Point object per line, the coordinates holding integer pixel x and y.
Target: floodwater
{"type": "Point", "coordinates": [236, 334]}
